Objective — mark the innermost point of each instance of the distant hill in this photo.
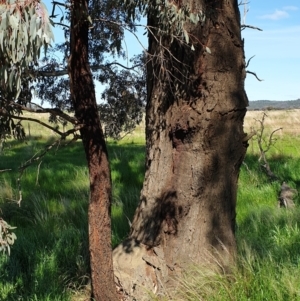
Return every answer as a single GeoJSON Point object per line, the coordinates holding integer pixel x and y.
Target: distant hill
{"type": "Point", "coordinates": [261, 105]}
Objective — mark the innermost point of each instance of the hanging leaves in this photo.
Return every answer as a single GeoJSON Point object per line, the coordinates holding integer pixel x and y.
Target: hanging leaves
{"type": "Point", "coordinates": [207, 49]}
{"type": "Point", "coordinates": [25, 28]}
{"type": "Point", "coordinates": [173, 17]}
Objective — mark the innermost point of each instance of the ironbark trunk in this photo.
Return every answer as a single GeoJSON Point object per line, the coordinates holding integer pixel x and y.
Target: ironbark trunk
{"type": "Point", "coordinates": [195, 146]}
{"type": "Point", "coordinates": [85, 106]}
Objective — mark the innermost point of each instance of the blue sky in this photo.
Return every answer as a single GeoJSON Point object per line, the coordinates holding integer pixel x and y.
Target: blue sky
{"type": "Point", "coordinates": [276, 49]}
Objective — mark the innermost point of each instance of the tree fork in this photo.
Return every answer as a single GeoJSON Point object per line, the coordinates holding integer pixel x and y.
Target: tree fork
{"type": "Point", "coordinates": [86, 112]}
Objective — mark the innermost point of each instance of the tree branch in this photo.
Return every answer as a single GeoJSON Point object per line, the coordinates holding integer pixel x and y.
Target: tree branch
{"type": "Point", "coordinates": [116, 63]}
{"type": "Point", "coordinates": [54, 3]}
{"type": "Point", "coordinates": [35, 158]}
{"type": "Point", "coordinates": [4, 170]}
{"type": "Point", "coordinates": [3, 113]}
{"type": "Point", "coordinates": [244, 26]}
{"type": "Point", "coordinates": [266, 147]}
{"type": "Point", "coordinates": [61, 24]}
{"type": "Point", "coordinates": [271, 139]}
{"type": "Point", "coordinates": [249, 61]}
{"type": "Point", "coordinates": [62, 72]}
{"type": "Point", "coordinates": [253, 73]}
{"type": "Point", "coordinates": [54, 111]}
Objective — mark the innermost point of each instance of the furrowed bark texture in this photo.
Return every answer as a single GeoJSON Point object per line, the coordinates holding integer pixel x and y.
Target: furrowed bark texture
{"type": "Point", "coordinates": [84, 101]}
{"type": "Point", "coordinates": [195, 146]}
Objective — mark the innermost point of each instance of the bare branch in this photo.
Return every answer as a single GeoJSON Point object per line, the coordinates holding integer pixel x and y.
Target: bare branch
{"type": "Point", "coordinates": [4, 113]}
{"type": "Point", "coordinates": [63, 72]}
{"type": "Point", "coordinates": [4, 170]}
{"type": "Point", "coordinates": [35, 158]}
{"type": "Point", "coordinates": [19, 187]}
{"type": "Point", "coordinates": [121, 65]}
{"type": "Point", "coordinates": [253, 73]}
{"type": "Point", "coordinates": [271, 139]}
{"type": "Point", "coordinates": [250, 26]}
{"type": "Point", "coordinates": [53, 111]}
{"type": "Point", "coordinates": [264, 146]}
{"type": "Point", "coordinates": [249, 61]}
{"type": "Point", "coordinates": [56, 3]}
{"type": "Point", "coordinates": [243, 2]}
{"type": "Point", "coordinates": [60, 4]}
{"type": "Point", "coordinates": [61, 24]}
{"type": "Point", "coordinates": [246, 10]}
{"type": "Point", "coordinates": [37, 175]}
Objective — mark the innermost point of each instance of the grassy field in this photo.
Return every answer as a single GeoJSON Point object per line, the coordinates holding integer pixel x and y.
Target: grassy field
{"type": "Point", "coordinates": [49, 260]}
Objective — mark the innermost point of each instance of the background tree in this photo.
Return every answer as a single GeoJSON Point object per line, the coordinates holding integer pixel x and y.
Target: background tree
{"type": "Point", "coordinates": [109, 22]}
{"type": "Point", "coordinates": [105, 37]}
{"type": "Point", "coordinates": [124, 100]}
{"type": "Point", "coordinates": [196, 104]}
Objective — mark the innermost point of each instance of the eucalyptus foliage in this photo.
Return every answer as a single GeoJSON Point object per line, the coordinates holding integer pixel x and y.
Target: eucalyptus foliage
{"type": "Point", "coordinates": [24, 29]}
{"type": "Point", "coordinates": [124, 100]}
{"type": "Point", "coordinates": [120, 112]}
{"type": "Point", "coordinates": [172, 17]}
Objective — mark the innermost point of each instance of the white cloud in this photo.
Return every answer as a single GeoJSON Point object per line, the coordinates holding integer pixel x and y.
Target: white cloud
{"type": "Point", "coordinates": [290, 8]}
{"type": "Point", "coordinates": [277, 15]}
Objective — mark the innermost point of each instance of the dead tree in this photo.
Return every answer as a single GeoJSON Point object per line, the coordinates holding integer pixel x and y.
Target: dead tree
{"type": "Point", "coordinates": [286, 196]}
{"type": "Point", "coordinates": [264, 144]}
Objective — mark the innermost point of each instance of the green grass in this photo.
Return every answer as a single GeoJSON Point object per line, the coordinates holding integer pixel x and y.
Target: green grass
{"type": "Point", "coordinates": [49, 260]}
{"type": "Point", "coordinates": [268, 237]}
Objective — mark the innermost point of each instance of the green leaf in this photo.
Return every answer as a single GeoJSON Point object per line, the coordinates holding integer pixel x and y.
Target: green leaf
{"type": "Point", "coordinates": [33, 27]}
{"type": "Point", "coordinates": [1, 39]}
{"type": "Point", "coordinates": [186, 36]}
{"type": "Point", "coordinates": [194, 18]}
{"type": "Point", "coordinates": [3, 21]}
{"type": "Point", "coordinates": [207, 49]}
{"type": "Point", "coordinates": [25, 43]}
{"type": "Point", "coordinates": [14, 22]}
{"type": "Point", "coordinates": [39, 33]}
{"type": "Point", "coordinates": [10, 79]}
{"type": "Point", "coordinates": [22, 34]}
{"type": "Point", "coordinates": [26, 18]}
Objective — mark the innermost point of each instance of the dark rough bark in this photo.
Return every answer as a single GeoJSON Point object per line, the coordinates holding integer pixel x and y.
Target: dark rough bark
{"type": "Point", "coordinates": [195, 146]}
{"type": "Point", "coordinates": [84, 101]}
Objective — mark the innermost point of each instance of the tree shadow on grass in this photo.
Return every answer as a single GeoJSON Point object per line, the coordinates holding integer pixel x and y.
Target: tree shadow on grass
{"type": "Point", "coordinates": [128, 168]}
{"type": "Point", "coordinates": [51, 251]}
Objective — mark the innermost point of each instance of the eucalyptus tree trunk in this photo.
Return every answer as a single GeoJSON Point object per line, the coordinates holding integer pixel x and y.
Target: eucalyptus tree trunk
{"type": "Point", "coordinates": [85, 106]}
{"type": "Point", "coordinates": [195, 146]}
